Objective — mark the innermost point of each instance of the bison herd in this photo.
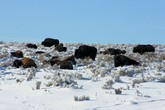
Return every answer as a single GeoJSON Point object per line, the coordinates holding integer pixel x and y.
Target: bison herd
{"type": "Point", "coordinates": [81, 52]}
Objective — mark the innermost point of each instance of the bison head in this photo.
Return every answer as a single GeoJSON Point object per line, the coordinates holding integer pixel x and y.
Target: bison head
{"type": "Point", "coordinates": [17, 63]}
{"type": "Point", "coordinates": [77, 54]}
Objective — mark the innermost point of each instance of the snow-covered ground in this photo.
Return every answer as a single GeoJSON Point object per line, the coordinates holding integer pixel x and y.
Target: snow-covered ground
{"type": "Point", "coordinates": [90, 86]}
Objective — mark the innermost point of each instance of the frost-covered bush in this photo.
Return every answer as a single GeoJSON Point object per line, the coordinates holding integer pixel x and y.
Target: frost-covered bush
{"type": "Point", "coordinates": [104, 72]}
{"type": "Point", "coordinates": [47, 77]}
{"type": "Point", "coordinates": [78, 76]}
{"type": "Point", "coordinates": [38, 84]}
{"type": "Point", "coordinates": [161, 79]}
{"type": "Point", "coordinates": [128, 71]}
{"type": "Point", "coordinates": [137, 81]}
{"type": "Point", "coordinates": [29, 53]}
{"type": "Point", "coordinates": [116, 77]}
{"type": "Point", "coordinates": [151, 56]}
{"type": "Point", "coordinates": [162, 57]}
{"type": "Point", "coordinates": [85, 61]}
{"type": "Point", "coordinates": [31, 72]}
{"type": "Point", "coordinates": [6, 61]}
{"type": "Point", "coordinates": [108, 84]}
{"type": "Point", "coordinates": [42, 60]}
{"type": "Point", "coordinates": [64, 81]}
{"type": "Point", "coordinates": [20, 80]}
{"type": "Point", "coordinates": [49, 84]}
{"type": "Point", "coordinates": [3, 55]}
{"type": "Point", "coordinates": [104, 58]}
{"type": "Point", "coordinates": [149, 78]}
{"type": "Point", "coordinates": [100, 72]}
{"type": "Point", "coordinates": [81, 98]}
{"type": "Point", "coordinates": [159, 66]}
{"type": "Point", "coordinates": [118, 91]}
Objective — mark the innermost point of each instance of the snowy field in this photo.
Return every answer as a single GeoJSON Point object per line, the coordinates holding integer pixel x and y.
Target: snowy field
{"type": "Point", "coordinates": [90, 85]}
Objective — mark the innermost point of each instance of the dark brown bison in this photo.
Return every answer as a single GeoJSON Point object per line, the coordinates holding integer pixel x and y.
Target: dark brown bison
{"type": "Point", "coordinates": [17, 63]}
{"type": "Point", "coordinates": [86, 51]}
{"type": "Point", "coordinates": [113, 51]}
{"type": "Point", "coordinates": [66, 65]}
{"type": "Point", "coordinates": [54, 60]}
{"type": "Point", "coordinates": [31, 46]}
{"type": "Point", "coordinates": [48, 42]}
{"type": "Point", "coordinates": [71, 58]}
{"type": "Point", "coordinates": [60, 47]}
{"type": "Point", "coordinates": [18, 54]}
{"type": "Point", "coordinates": [64, 49]}
{"type": "Point", "coordinates": [121, 60]}
{"type": "Point", "coordinates": [141, 49]}
{"type": "Point", "coordinates": [25, 62]}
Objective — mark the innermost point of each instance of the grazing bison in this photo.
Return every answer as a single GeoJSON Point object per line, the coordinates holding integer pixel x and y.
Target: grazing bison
{"type": "Point", "coordinates": [48, 42]}
{"type": "Point", "coordinates": [86, 51]}
{"type": "Point", "coordinates": [66, 65]}
{"type": "Point", "coordinates": [141, 49]}
{"type": "Point", "coordinates": [71, 58]}
{"type": "Point", "coordinates": [31, 46]}
{"type": "Point", "coordinates": [17, 63]}
{"type": "Point", "coordinates": [60, 47]}
{"type": "Point", "coordinates": [64, 49]}
{"type": "Point", "coordinates": [54, 60]}
{"type": "Point", "coordinates": [113, 51]}
{"type": "Point", "coordinates": [25, 62]}
{"type": "Point", "coordinates": [18, 54]}
{"type": "Point", "coordinates": [121, 60]}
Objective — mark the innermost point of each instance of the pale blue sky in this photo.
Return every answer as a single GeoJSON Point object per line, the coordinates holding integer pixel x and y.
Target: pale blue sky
{"type": "Point", "coordinates": [85, 21]}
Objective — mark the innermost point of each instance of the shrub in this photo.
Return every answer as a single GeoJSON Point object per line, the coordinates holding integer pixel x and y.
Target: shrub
{"type": "Point", "coordinates": [116, 77]}
{"type": "Point", "coordinates": [108, 84]}
{"type": "Point", "coordinates": [118, 91]}
{"type": "Point", "coordinates": [65, 80]}
{"type": "Point", "coordinates": [49, 84]}
{"type": "Point", "coordinates": [31, 72]}
{"type": "Point", "coordinates": [137, 81]}
{"type": "Point", "coordinates": [81, 98]}
{"type": "Point", "coordinates": [162, 57]}
{"type": "Point", "coordinates": [38, 84]}
{"type": "Point", "coordinates": [161, 79]}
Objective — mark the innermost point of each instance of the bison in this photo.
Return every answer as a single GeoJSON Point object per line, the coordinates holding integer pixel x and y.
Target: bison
{"type": "Point", "coordinates": [64, 49]}
{"type": "Point", "coordinates": [141, 49]}
{"type": "Point", "coordinates": [25, 62]}
{"type": "Point", "coordinates": [85, 51]}
{"type": "Point", "coordinates": [18, 54]}
{"type": "Point", "coordinates": [71, 58]}
{"type": "Point", "coordinates": [113, 51]}
{"type": "Point", "coordinates": [48, 42]}
{"type": "Point", "coordinates": [31, 46]}
{"type": "Point", "coordinates": [121, 60]}
{"type": "Point", "coordinates": [54, 60]}
{"type": "Point", "coordinates": [66, 65]}
{"type": "Point", "coordinates": [60, 47]}
{"type": "Point", "coordinates": [17, 63]}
